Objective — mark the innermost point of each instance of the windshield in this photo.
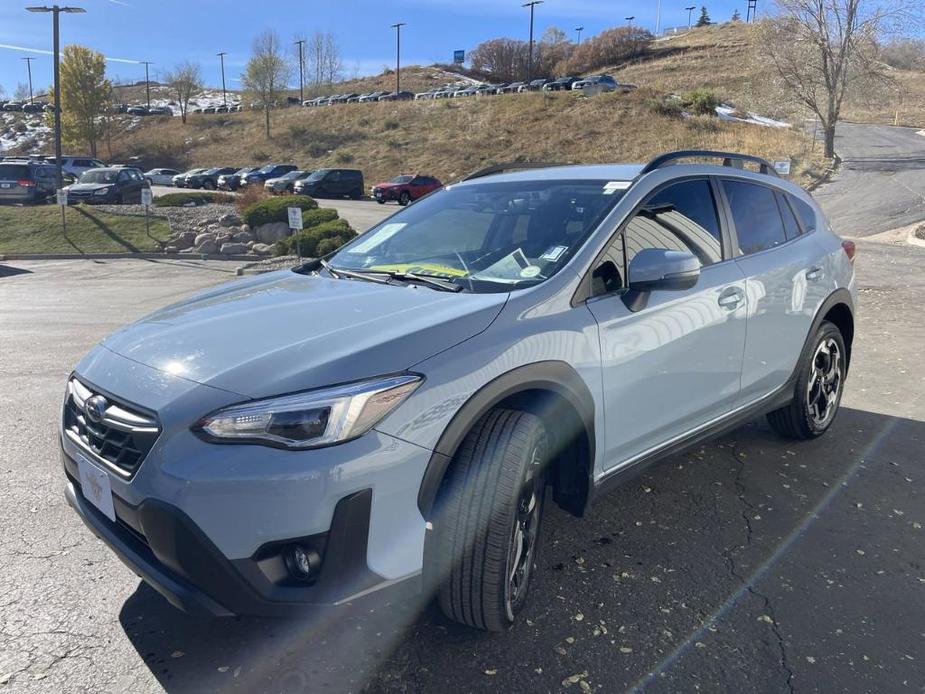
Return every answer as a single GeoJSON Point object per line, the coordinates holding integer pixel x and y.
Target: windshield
{"type": "Point", "coordinates": [99, 176]}
{"type": "Point", "coordinates": [268, 168]}
{"type": "Point", "coordinates": [486, 237]}
{"type": "Point", "coordinates": [317, 176]}
{"type": "Point", "coordinates": [400, 179]}
{"type": "Point", "coordinates": [292, 175]}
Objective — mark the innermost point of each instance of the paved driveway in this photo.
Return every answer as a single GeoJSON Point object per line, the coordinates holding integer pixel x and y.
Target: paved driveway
{"type": "Point", "coordinates": [748, 564]}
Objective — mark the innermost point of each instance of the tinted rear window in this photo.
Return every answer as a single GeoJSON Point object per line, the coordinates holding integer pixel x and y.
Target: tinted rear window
{"type": "Point", "coordinates": [13, 171]}
{"type": "Point", "coordinates": [757, 218]}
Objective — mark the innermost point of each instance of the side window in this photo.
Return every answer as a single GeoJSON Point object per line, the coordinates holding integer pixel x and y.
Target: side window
{"type": "Point", "coordinates": [681, 217]}
{"type": "Point", "coordinates": [757, 218]}
{"type": "Point", "coordinates": [791, 226]}
{"type": "Point", "coordinates": [806, 213]}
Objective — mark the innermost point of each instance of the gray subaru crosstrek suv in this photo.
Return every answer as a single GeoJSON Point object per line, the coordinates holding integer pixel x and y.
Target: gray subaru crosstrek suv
{"type": "Point", "coordinates": [392, 417]}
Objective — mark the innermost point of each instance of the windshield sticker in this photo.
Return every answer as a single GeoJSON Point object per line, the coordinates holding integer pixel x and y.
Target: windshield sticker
{"type": "Point", "coordinates": [530, 272]}
{"type": "Point", "coordinates": [377, 238]}
{"type": "Point", "coordinates": [613, 186]}
{"type": "Point", "coordinates": [554, 253]}
{"type": "Point", "coordinates": [507, 269]}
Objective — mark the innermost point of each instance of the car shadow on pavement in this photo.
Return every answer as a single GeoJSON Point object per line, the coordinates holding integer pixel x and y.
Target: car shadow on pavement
{"type": "Point", "coordinates": [10, 271]}
{"type": "Point", "coordinates": [705, 569]}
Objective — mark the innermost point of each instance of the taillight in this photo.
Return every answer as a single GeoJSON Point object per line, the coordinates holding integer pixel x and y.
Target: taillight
{"type": "Point", "coordinates": [26, 183]}
{"type": "Point", "coordinates": [850, 249]}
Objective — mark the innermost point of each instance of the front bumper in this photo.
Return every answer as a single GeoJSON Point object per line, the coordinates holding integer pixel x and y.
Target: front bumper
{"type": "Point", "coordinates": [164, 547]}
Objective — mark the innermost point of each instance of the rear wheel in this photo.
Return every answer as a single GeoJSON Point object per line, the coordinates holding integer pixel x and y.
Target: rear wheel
{"type": "Point", "coordinates": [356, 194]}
{"type": "Point", "coordinates": [487, 526]}
{"type": "Point", "coordinates": [208, 185]}
{"type": "Point", "coordinates": [818, 390]}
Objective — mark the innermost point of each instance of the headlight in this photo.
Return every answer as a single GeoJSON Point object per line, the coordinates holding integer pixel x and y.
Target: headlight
{"type": "Point", "coordinates": [103, 191]}
{"type": "Point", "coordinates": [311, 419]}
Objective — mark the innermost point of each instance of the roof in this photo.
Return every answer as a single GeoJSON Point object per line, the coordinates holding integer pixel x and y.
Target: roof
{"type": "Point", "coordinates": [585, 172]}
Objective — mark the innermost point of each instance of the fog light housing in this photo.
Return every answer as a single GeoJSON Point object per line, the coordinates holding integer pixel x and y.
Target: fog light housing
{"type": "Point", "coordinates": [303, 563]}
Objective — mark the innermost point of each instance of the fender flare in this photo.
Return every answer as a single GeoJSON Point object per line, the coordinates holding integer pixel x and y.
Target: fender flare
{"type": "Point", "coordinates": [556, 376]}
{"type": "Point", "coordinates": [840, 297]}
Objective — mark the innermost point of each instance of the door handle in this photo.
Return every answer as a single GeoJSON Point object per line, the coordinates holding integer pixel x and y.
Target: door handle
{"type": "Point", "coordinates": [730, 299]}
{"type": "Point", "coordinates": [815, 274]}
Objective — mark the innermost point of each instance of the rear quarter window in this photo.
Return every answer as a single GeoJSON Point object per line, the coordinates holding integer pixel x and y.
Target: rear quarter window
{"type": "Point", "coordinates": [805, 212]}
{"type": "Point", "coordinates": [758, 223]}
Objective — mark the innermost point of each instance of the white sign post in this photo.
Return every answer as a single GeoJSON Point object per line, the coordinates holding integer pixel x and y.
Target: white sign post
{"type": "Point", "coordinates": [782, 167]}
{"type": "Point", "coordinates": [61, 194]}
{"type": "Point", "coordinates": [146, 199]}
{"type": "Point", "coordinates": [295, 223]}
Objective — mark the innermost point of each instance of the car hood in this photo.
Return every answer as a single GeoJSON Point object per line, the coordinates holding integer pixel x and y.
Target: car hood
{"type": "Point", "coordinates": [387, 185]}
{"type": "Point", "coordinates": [88, 187]}
{"type": "Point", "coordinates": [283, 332]}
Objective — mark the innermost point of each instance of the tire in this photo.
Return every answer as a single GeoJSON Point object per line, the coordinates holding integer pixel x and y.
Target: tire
{"type": "Point", "coordinates": [492, 495]}
{"type": "Point", "coordinates": [380, 201]}
{"type": "Point", "coordinates": [356, 195]}
{"type": "Point", "coordinates": [208, 185]}
{"type": "Point", "coordinates": [819, 388]}
{"type": "Point", "coordinates": [149, 182]}
{"type": "Point", "coordinates": [404, 199]}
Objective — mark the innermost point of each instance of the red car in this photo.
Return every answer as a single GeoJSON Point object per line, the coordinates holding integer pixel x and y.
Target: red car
{"type": "Point", "coordinates": [405, 188]}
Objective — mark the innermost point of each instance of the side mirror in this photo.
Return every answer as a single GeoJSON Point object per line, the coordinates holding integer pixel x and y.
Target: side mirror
{"type": "Point", "coordinates": [661, 269]}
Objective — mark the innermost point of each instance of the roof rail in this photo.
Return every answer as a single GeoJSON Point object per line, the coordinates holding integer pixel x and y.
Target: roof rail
{"type": "Point", "coordinates": [510, 166]}
{"type": "Point", "coordinates": [729, 159]}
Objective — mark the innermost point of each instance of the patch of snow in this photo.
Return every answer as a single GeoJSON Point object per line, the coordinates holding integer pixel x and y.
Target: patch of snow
{"type": "Point", "coordinates": [731, 113]}
{"type": "Point", "coordinates": [18, 129]}
{"type": "Point", "coordinates": [921, 132]}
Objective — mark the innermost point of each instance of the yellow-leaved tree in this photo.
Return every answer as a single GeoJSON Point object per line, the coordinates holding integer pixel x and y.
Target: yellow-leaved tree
{"type": "Point", "coordinates": [85, 97]}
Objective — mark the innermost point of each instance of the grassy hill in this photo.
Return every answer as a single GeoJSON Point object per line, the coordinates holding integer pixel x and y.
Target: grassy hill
{"type": "Point", "coordinates": [451, 138]}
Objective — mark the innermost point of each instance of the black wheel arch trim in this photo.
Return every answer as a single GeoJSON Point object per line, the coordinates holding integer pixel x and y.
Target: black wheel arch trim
{"type": "Point", "coordinates": [556, 376]}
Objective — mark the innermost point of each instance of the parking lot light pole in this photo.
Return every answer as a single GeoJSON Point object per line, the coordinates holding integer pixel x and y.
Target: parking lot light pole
{"type": "Point", "coordinates": [629, 21]}
{"type": "Point", "coordinates": [146, 63]}
{"type": "Point", "coordinates": [689, 10]}
{"type": "Point", "coordinates": [397, 27]}
{"type": "Point", "coordinates": [224, 91]}
{"type": "Point", "coordinates": [532, 6]}
{"type": "Point", "coordinates": [579, 30]}
{"type": "Point", "coordinates": [56, 10]}
{"type": "Point", "coordinates": [29, 67]}
{"type": "Point", "coordinates": [301, 44]}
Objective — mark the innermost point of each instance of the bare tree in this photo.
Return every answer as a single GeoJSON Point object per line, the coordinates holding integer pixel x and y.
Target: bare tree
{"type": "Point", "coordinates": [323, 58]}
{"type": "Point", "coordinates": [824, 49]}
{"type": "Point", "coordinates": [185, 80]}
{"type": "Point", "coordinates": [22, 92]}
{"type": "Point", "coordinates": [267, 73]}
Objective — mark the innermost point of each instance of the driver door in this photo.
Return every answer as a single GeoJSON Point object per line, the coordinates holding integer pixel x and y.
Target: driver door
{"type": "Point", "coordinates": [671, 360]}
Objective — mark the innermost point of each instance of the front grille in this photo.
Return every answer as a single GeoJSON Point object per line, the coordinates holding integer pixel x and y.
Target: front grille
{"type": "Point", "coordinates": [113, 432]}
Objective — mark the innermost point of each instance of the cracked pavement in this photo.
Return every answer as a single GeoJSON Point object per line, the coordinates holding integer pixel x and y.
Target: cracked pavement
{"type": "Point", "coordinates": [749, 563]}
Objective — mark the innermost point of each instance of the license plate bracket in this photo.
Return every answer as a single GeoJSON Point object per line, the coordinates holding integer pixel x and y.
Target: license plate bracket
{"type": "Point", "coordinates": [96, 487]}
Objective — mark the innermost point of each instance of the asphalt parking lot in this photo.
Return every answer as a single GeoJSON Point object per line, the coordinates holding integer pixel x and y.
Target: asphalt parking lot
{"type": "Point", "coordinates": [749, 564]}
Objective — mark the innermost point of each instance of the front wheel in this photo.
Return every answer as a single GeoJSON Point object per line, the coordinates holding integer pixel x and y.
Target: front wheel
{"type": "Point", "coordinates": [818, 390]}
{"type": "Point", "coordinates": [404, 199]}
{"type": "Point", "coordinates": [487, 524]}
{"type": "Point", "coordinates": [208, 185]}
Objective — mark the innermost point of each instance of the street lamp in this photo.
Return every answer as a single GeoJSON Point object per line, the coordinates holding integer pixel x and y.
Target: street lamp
{"type": "Point", "coordinates": [689, 10]}
{"type": "Point", "coordinates": [301, 44]}
{"type": "Point", "coordinates": [56, 10]}
{"type": "Point", "coordinates": [532, 5]}
{"type": "Point", "coordinates": [397, 27]}
{"type": "Point", "coordinates": [629, 21]}
{"type": "Point", "coordinates": [29, 67]}
{"type": "Point", "coordinates": [146, 63]}
{"type": "Point", "coordinates": [221, 57]}
{"type": "Point", "coordinates": [579, 30]}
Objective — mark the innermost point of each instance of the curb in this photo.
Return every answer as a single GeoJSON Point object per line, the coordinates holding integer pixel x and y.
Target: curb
{"type": "Point", "coordinates": [136, 256]}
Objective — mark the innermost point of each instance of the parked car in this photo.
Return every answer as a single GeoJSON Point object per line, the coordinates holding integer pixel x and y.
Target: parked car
{"type": "Point", "coordinates": [160, 177]}
{"type": "Point", "coordinates": [358, 437]}
{"type": "Point", "coordinates": [13, 106]}
{"type": "Point", "coordinates": [180, 179]}
{"type": "Point", "coordinates": [332, 183]}
{"type": "Point", "coordinates": [208, 179]}
{"type": "Point", "coordinates": [160, 111]}
{"type": "Point", "coordinates": [137, 111]}
{"type": "Point", "coordinates": [405, 188]}
{"type": "Point", "coordinates": [605, 83]}
{"type": "Point", "coordinates": [286, 182]}
{"type": "Point", "coordinates": [264, 174]}
{"type": "Point", "coordinates": [26, 181]}
{"type": "Point", "coordinates": [34, 107]}
{"type": "Point", "coordinates": [422, 96]}
{"type": "Point", "coordinates": [511, 88]}
{"type": "Point", "coordinates": [233, 181]}
{"type": "Point", "coordinates": [112, 185]}
{"type": "Point", "coordinates": [397, 96]}
{"type": "Point", "coordinates": [77, 165]}
{"type": "Point", "coordinates": [535, 85]}
{"type": "Point", "coordinates": [561, 84]}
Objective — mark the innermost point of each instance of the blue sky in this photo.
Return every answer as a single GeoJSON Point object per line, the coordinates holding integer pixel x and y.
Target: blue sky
{"type": "Point", "coordinates": [168, 31]}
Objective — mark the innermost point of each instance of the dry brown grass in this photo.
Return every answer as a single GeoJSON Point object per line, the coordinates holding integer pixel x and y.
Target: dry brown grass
{"type": "Point", "coordinates": [248, 196]}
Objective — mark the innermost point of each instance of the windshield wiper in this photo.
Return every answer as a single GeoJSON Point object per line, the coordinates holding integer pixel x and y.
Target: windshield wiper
{"type": "Point", "coordinates": [380, 278]}
{"type": "Point", "coordinates": [438, 283]}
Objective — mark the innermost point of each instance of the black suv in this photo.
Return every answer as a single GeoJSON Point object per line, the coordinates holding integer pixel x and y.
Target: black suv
{"type": "Point", "coordinates": [332, 183]}
{"type": "Point", "coordinates": [269, 171]}
{"type": "Point", "coordinates": [114, 184]}
{"type": "Point", "coordinates": [26, 181]}
{"type": "Point", "coordinates": [208, 179]}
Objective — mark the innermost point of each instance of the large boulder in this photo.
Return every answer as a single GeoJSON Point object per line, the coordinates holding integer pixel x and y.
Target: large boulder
{"type": "Point", "coordinates": [208, 246]}
{"type": "Point", "coordinates": [229, 220]}
{"type": "Point", "coordinates": [273, 232]}
{"type": "Point", "coordinates": [222, 239]}
{"type": "Point", "coordinates": [185, 240]}
{"type": "Point", "coordinates": [233, 249]}
{"type": "Point", "coordinates": [203, 238]}
{"type": "Point", "coordinates": [243, 237]}
{"type": "Point", "coordinates": [261, 249]}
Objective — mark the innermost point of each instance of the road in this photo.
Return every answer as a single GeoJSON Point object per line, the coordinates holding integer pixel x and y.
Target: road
{"type": "Point", "coordinates": [880, 184]}
{"type": "Point", "coordinates": [750, 564]}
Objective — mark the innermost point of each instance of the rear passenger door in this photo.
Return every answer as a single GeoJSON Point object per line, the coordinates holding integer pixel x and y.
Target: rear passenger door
{"type": "Point", "coordinates": [673, 364]}
{"type": "Point", "coordinates": [784, 282]}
